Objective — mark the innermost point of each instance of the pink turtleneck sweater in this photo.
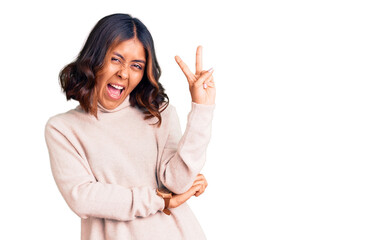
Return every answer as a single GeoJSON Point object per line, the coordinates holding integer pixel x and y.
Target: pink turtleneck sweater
{"type": "Point", "coordinates": [108, 169]}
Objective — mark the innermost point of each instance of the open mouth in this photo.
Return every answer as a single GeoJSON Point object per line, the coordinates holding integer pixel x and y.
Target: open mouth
{"type": "Point", "coordinates": [115, 91]}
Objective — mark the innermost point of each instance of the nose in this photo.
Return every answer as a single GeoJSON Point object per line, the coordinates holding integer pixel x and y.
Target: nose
{"type": "Point", "coordinates": [123, 73]}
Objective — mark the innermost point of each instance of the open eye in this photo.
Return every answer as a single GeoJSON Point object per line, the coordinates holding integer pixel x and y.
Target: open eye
{"type": "Point", "coordinates": [137, 66]}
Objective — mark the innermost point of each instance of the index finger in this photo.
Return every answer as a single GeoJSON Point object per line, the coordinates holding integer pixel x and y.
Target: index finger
{"type": "Point", "coordinates": [185, 68]}
{"type": "Point", "coordinates": [199, 60]}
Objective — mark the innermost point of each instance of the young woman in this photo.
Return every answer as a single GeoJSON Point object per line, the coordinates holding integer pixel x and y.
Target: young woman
{"type": "Point", "coordinates": [119, 159]}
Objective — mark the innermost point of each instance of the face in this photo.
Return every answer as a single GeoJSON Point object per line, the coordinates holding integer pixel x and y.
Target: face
{"type": "Point", "coordinates": [123, 69]}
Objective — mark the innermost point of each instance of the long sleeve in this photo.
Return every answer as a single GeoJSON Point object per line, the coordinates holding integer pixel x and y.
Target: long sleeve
{"type": "Point", "coordinates": [184, 155]}
{"type": "Point", "coordinates": [83, 193]}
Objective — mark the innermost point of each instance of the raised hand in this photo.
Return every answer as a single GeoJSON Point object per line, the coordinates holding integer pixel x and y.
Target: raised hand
{"type": "Point", "coordinates": [201, 85]}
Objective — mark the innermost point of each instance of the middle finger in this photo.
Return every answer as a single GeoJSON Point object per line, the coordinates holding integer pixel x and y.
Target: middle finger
{"type": "Point", "coordinates": [199, 60]}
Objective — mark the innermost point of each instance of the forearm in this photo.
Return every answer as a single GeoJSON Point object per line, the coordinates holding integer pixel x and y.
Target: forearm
{"type": "Point", "coordinates": [88, 197]}
{"type": "Point", "coordinates": [95, 199]}
{"type": "Point", "coordinates": [183, 163]}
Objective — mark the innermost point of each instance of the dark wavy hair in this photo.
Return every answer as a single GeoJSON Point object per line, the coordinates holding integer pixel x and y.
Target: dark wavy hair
{"type": "Point", "coordinates": [78, 78]}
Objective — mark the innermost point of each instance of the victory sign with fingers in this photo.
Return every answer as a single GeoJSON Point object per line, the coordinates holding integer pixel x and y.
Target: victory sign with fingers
{"type": "Point", "coordinates": [201, 85]}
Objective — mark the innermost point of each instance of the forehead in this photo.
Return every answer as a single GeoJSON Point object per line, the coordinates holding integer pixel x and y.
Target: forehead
{"type": "Point", "coordinates": [129, 49]}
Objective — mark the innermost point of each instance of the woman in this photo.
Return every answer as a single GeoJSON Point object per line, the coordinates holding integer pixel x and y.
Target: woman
{"type": "Point", "coordinates": [119, 158]}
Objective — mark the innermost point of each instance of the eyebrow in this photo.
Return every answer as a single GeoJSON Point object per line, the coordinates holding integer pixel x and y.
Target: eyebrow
{"type": "Point", "coordinates": [120, 56]}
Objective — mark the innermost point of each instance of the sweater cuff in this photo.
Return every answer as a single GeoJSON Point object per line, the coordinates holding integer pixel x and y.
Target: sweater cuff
{"type": "Point", "coordinates": [201, 115]}
{"type": "Point", "coordinates": [159, 203]}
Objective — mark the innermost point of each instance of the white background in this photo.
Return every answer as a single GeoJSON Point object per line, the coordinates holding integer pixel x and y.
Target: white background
{"type": "Point", "coordinates": [301, 137]}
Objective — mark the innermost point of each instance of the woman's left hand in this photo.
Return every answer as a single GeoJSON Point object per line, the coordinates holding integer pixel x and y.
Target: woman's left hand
{"type": "Point", "coordinates": [201, 84]}
{"type": "Point", "coordinates": [196, 189]}
{"type": "Point", "coordinates": [200, 180]}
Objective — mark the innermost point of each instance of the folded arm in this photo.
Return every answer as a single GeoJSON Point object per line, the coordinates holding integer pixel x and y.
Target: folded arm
{"type": "Point", "coordinates": [84, 194]}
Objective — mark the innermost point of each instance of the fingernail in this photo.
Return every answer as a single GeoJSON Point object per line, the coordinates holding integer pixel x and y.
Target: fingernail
{"type": "Point", "coordinates": [205, 85]}
{"type": "Point", "coordinates": [210, 70]}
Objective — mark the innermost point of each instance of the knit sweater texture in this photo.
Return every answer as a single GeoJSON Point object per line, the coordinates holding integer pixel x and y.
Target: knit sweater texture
{"type": "Point", "coordinates": [108, 169]}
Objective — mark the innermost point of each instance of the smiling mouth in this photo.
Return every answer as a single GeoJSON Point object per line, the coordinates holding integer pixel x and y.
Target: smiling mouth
{"type": "Point", "coordinates": [115, 91]}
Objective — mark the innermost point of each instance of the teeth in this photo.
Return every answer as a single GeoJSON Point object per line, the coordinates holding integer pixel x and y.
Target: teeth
{"type": "Point", "coordinates": [116, 86]}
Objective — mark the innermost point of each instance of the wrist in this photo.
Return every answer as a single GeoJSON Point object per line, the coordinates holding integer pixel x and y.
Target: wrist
{"type": "Point", "coordinates": [167, 196]}
{"type": "Point", "coordinates": [204, 103]}
{"type": "Point", "coordinates": [172, 203]}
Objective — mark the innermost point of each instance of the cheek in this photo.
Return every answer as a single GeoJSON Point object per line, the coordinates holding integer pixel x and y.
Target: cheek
{"type": "Point", "coordinates": [136, 79]}
{"type": "Point", "coordinates": [106, 73]}
{"type": "Point", "coordinates": [103, 76]}
{"type": "Point", "coordinates": [99, 84]}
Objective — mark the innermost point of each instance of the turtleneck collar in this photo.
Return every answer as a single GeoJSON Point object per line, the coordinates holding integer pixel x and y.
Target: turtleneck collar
{"type": "Point", "coordinates": [123, 105]}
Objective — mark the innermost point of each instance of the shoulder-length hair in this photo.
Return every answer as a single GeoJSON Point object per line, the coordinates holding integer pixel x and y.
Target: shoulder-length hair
{"type": "Point", "coordinates": [78, 78]}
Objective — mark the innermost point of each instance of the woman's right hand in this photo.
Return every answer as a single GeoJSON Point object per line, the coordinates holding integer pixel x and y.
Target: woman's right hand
{"type": "Point", "coordinates": [201, 83]}
{"type": "Point", "coordinates": [196, 189]}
